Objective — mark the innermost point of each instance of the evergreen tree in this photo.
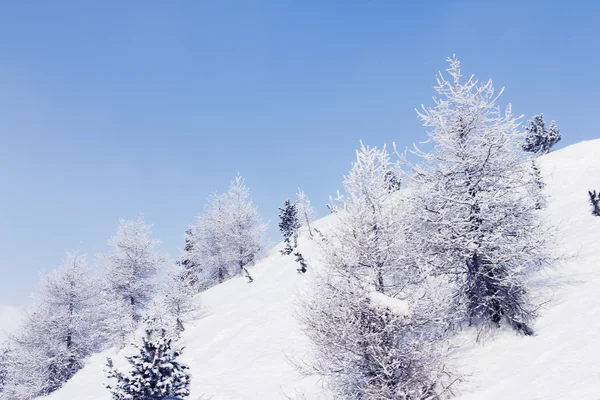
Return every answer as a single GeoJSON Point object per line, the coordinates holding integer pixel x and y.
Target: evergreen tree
{"type": "Point", "coordinates": [470, 213]}
{"type": "Point", "coordinates": [539, 139]}
{"type": "Point", "coordinates": [300, 260]}
{"type": "Point", "coordinates": [189, 261]}
{"type": "Point", "coordinates": [155, 373]}
{"type": "Point", "coordinates": [393, 182]}
{"type": "Point", "coordinates": [289, 225]}
{"type": "Point", "coordinates": [595, 202]}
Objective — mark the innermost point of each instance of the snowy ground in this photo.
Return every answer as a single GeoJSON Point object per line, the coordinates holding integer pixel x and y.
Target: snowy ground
{"type": "Point", "coordinates": [238, 348]}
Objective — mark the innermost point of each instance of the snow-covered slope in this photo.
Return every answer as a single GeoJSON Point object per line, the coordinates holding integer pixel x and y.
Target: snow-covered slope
{"type": "Point", "coordinates": [238, 348]}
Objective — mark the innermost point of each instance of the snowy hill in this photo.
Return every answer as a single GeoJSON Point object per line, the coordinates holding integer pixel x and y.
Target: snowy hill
{"type": "Point", "coordinates": [238, 348]}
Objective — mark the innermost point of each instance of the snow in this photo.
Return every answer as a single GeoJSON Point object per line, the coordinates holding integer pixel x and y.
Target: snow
{"type": "Point", "coordinates": [239, 347]}
{"type": "Point", "coordinates": [397, 306]}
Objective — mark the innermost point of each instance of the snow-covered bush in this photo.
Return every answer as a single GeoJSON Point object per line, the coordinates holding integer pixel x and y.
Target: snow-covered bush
{"type": "Point", "coordinates": [62, 328]}
{"type": "Point", "coordinates": [371, 349]}
{"type": "Point", "coordinates": [539, 139]}
{"type": "Point", "coordinates": [470, 211]}
{"type": "Point", "coordinates": [155, 373]}
{"type": "Point", "coordinates": [595, 202]}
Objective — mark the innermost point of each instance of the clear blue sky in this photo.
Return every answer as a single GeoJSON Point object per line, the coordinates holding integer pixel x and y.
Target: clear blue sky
{"type": "Point", "coordinates": [110, 108]}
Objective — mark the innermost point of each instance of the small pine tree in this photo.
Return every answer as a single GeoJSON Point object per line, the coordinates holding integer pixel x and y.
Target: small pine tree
{"type": "Point", "coordinates": [189, 260]}
{"type": "Point", "coordinates": [595, 201]}
{"type": "Point", "coordinates": [289, 225]}
{"type": "Point", "coordinates": [155, 373]}
{"type": "Point", "coordinates": [300, 260]}
{"type": "Point", "coordinates": [539, 139]}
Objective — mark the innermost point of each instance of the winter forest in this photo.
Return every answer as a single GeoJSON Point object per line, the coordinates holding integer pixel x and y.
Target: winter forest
{"type": "Point", "coordinates": [423, 248]}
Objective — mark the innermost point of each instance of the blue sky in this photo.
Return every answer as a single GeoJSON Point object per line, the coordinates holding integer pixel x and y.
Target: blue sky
{"type": "Point", "coordinates": [112, 108]}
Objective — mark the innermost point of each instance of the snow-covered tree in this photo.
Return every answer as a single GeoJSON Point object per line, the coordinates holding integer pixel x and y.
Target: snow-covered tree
{"type": "Point", "coordinates": [306, 213]}
{"type": "Point", "coordinates": [155, 373]}
{"type": "Point", "coordinates": [129, 272]}
{"type": "Point", "coordinates": [61, 330]}
{"type": "Point", "coordinates": [372, 346]}
{"type": "Point", "coordinates": [539, 139]}
{"type": "Point", "coordinates": [366, 237]}
{"type": "Point", "coordinates": [364, 349]}
{"type": "Point", "coordinates": [595, 202]}
{"type": "Point", "coordinates": [289, 225]}
{"type": "Point", "coordinates": [472, 218]}
{"type": "Point", "coordinates": [192, 268]}
{"type": "Point", "coordinates": [174, 303]}
{"type": "Point", "coordinates": [231, 234]}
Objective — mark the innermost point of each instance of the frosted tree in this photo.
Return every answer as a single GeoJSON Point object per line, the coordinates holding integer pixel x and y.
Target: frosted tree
{"type": "Point", "coordinates": [60, 331]}
{"type": "Point", "coordinates": [231, 234]}
{"type": "Point", "coordinates": [539, 139]}
{"type": "Point", "coordinates": [192, 268]}
{"type": "Point", "coordinates": [375, 333]}
{"type": "Point", "coordinates": [4, 364]}
{"type": "Point", "coordinates": [471, 216]}
{"type": "Point", "coordinates": [174, 304]}
{"type": "Point", "coordinates": [367, 233]}
{"type": "Point", "coordinates": [306, 213]}
{"type": "Point", "coordinates": [129, 272]}
{"type": "Point", "coordinates": [155, 373]}
{"type": "Point", "coordinates": [289, 225]}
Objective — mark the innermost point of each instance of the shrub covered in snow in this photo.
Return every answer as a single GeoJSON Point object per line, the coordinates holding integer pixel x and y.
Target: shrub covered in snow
{"type": "Point", "coordinates": [155, 373]}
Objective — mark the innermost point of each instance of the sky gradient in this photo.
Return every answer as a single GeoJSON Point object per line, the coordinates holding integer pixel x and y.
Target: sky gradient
{"type": "Point", "coordinates": [112, 108]}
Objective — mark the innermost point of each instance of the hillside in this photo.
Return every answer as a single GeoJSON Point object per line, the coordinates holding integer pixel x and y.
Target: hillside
{"type": "Point", "coordinates": [238, 347]}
